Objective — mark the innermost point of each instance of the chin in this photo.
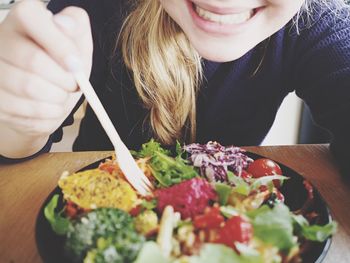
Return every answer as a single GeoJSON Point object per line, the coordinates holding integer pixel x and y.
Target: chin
{"type": "Point", "coordinates": [222, 55]}
{"type": "Point", "coordinates": [217, 57]}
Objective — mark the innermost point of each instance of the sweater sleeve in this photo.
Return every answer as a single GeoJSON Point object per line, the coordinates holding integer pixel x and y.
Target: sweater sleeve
{"type": "Point", "coordinates": [322, 78]}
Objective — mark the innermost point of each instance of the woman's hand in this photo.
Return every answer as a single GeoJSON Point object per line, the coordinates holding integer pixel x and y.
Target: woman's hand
{"type": "Point", "coordinates": [36, 90]}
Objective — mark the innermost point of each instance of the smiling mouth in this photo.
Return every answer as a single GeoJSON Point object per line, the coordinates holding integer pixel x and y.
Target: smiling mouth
{"type": "Point", "coordinates": [224, 19]}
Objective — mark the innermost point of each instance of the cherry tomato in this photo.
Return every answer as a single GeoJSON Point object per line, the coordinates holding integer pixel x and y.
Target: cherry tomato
{"type": "Point", "coordinates": [264, 167]}
{"type": "Point", "coordinates": [235, 229]}
{"type": "Point", "coordinates": [211, 218]}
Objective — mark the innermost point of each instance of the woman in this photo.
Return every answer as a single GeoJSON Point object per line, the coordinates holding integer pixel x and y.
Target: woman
{"type": "Point", "coordinates": [172, 69]}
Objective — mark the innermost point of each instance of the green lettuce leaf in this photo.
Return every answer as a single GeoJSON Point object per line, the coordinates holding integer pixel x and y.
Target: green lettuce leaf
{"type": "Point", "coordinates": [58, 223]}
{"type": "Point", "coordinates": [223, 191]}
{"type": "Point", "coordinates": [168, 170]}
{"type": "Point", "coordinates": [219, 253]}
{"type": "Point", "coordinates": [240, 186]}
{"type": "Point", "coordinates": [266, 180]}
{"type": "Point", "coordinates": [178, 149]}
{"type": "Point", "coordinates": [314, 232]}
{"type": "Point", "coordinates": [228, 211]}
{"type": "Point", "coordinates": [148, 149]}
{"type": "Point", "coordinates": [151, 252]}
{"type": "Point", "coordinates": [274, 226]}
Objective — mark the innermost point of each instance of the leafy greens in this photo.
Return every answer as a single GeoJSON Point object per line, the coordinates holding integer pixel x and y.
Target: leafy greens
{"type": "Point", "coordinates": [166, 169]}
{"type": "Point", "coordinates": [58, 223]}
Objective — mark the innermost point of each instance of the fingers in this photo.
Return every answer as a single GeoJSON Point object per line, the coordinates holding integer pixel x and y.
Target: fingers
{"type": "Point", "coordinates": [30, 86]}
{"type": "Point", "coordinates": [29, 57]}
{"type": "Point", "coordinates": [30, 126]}
{"type": "Point", "coordinates": [74, 23]}
{"type": "Point", "coordinates": [33, 117]}
{"type": "Point", "coordinates": [14, 106]}
{"type": "Point", "coordinates": [30, 43]}
{"type": "Point", "coordinates": [32, 19]}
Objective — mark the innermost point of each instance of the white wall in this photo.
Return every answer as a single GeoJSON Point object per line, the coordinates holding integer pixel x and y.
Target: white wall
{"type": "Point", "coordinates": [285, 129]}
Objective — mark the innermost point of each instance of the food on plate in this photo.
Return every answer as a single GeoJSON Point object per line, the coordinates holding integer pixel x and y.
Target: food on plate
{"type": "Point", "coordinates": [97, 188]}
{"type": "Point", "coordinates": [210, 203]}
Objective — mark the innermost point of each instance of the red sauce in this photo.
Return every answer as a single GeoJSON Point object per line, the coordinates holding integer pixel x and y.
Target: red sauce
{"type": "Point", "coordinates": [190, 197]}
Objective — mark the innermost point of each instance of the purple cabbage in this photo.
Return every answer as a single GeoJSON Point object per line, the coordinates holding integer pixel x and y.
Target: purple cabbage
{"type": "Point", "coordinates": [214, 160]}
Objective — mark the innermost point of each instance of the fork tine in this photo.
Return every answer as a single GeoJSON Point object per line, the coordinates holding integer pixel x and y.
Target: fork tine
{"type": "Point", "coordinates": [146, 180]}
{"type": "Point", "coordinates": [133, 168]}
{"type": "Point", "coordinates": [136, 183]}
{"type": "Point", "coordinates": [146, 184]}
{"type": "Point", "coordinates": [141, 181]}
{"type": "Point", "coordinates": [133, 173]}
{"type": "Point", "coordinates": [140, 187]}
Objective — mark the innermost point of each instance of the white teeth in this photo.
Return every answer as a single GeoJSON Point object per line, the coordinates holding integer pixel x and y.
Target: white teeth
{"type": "Point", "coordinates": [224, 19]}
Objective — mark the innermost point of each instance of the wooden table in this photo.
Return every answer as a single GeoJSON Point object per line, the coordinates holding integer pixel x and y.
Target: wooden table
{"type": "Point", "coordinates": [24, 187]}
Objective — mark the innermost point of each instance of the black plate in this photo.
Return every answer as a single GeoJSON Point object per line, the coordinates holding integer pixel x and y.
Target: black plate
{"type": "Point", "coordinates": [50, 246]}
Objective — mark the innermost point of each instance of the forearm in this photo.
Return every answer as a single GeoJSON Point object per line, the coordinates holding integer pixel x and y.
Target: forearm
{"type": "Point", "coordinates": [16, 145]}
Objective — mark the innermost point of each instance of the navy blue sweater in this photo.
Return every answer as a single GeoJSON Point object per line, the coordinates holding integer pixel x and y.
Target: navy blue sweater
{"type": "Point", "coordinates": [235, 106]}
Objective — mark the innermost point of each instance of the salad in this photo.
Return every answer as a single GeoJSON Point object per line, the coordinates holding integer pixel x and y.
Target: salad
{"type": "Point", "coordinates": [209, 203]}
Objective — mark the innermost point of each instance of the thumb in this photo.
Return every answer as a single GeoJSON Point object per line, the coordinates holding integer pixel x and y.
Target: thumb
{"type": "Point", "coordinates": [74, 22]}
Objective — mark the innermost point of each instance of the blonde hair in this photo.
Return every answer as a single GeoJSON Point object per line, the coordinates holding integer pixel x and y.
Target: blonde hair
{"type": "Point", "coordinates": [305, 16]}
{"type": "Point", "coordinates": [166, 70]}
